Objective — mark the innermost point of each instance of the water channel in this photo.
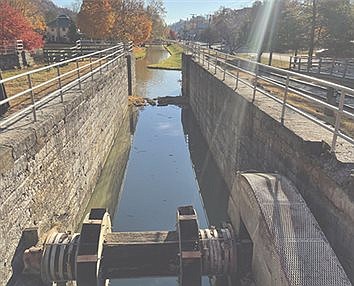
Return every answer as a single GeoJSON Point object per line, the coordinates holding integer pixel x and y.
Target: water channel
{"type": "Point", "coordinates": [168, 165]}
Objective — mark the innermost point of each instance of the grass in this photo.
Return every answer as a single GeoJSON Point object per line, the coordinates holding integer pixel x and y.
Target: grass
{"type": "Point", "coordinates": [18, 85]}
{"type": "Point", "coordinates": [282, 64]}
{"type": "Point", "coordinates": [347, 124]}
{"type": "Point", "coordinates": [276, 63]}
{"type": "Point", "coordinates": [173, 62]}
{"type": "Point", "coordinates": [139, 53]}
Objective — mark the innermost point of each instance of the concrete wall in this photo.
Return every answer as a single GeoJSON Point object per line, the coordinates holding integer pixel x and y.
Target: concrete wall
{"type": "Point", "coordinates": [49, 169]}
{"type": "Point", "coordinates": [245, 136]}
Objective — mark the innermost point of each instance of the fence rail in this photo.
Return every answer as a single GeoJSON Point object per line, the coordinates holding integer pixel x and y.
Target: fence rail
{"type": "Point", "coordinates": [80, 69]}
{"type": "Point", "coordinates": [233, 66]}
{"type": "Point", "coordinates": [11, 49]}
{"type": "Point", "coordinates": [338, 68]}
{"type": "Point", "coordinates": [53, 54]}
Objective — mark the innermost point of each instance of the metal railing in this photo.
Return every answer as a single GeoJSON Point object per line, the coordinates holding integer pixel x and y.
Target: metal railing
{"type": "Point", "coordinates": [339, 68]}
{"type": "Point", "coordinates": [224, 63]}
{"type": "Point", "coordinates": [84, 67]}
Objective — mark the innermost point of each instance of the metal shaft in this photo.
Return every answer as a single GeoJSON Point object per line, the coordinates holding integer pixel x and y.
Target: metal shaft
{"type": "Point", "coordinates": [96, 254]}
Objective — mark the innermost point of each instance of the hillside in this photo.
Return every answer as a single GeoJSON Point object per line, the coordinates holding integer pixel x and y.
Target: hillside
{"type": "Point", "coordinates": [50, 10]}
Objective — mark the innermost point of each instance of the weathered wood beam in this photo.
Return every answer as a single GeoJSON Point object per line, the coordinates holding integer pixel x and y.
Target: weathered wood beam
{"type": "Point", "coordinates": [140, 254]}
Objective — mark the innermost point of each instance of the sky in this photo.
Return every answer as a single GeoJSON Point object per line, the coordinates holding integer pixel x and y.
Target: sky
{"type": "Point", "coordinates": [183, 9]}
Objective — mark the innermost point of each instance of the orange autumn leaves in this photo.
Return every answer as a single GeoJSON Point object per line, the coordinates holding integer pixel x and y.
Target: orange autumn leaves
{"type": "Point", "coordinates": [96, 18]}
{"type": "Point", "coordinates": [123, 20]}
{"type": "Point", "coordinates": [15, 26]}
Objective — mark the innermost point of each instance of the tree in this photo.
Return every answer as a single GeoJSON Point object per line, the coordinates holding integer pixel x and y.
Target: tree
{"type": "Point", "coordinates": [337, 22]}
{"type": "Point", "coordinates": [156, 11]}
{"type": "Point", "coordinates": [314, 16]}
{"type": "Point", "coordinates": [31, 11]}
{"type": "Point", "coordinates": [14, 26]}
{"type": "Point", "coordinates": [131, 21]}
{"type": "Point", "coordinates": [292, 31]}
{"type": "Point", "coordinates": [75, 6]}
{"type": "Point", "coordinates": [172, 35]}
{"type": "Point", "coordinates": [230, 26]}
{"type": "Point", "coordinates": [96, 19]}
{"type": "Point", "coordinates": [73, 35]}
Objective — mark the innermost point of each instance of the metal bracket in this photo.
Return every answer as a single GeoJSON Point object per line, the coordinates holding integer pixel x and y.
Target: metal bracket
{"type": "Point", "coordinates": [94, 229]}
{"type": "Point", "coordinates": [189, 247]}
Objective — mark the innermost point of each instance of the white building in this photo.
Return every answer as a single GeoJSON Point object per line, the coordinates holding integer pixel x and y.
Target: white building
{"type": "Point", "coordinates": [58, 30]}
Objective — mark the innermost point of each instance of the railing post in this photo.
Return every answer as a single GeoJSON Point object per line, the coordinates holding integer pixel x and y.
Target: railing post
{"type": "Point", "coordinates": [203, 57]}
{"type": "Point", "coordinates": [345, 68]}
{"type": "Point", "coordinates": [285, 98]}
{"type": "Point", "coordinates": [299, 67]}
{"type": "Point", "coordinates": [78, 73]}
{"type": "Point", "coordinates": [255, 85]}
{"type": "Point", "coordinates": [100, 61]}
{"type": "Point", "coordinates": [5, 106]}
{"type": "Point", "coordinates": [107, 59]}
{"type": "Point", "coordinates": [290, 62]}
{"type": "Point", "coordinates": [332, 67]}
{"type": "Point", "coordinates": [237, 75]}
{"type": "Point", "coordinates": [216, 62]}
{"type": "Point", "coordinates": [91, 69]}
{"type": "Point", "coordinates": [200, 53]}
{"type": "Point", "coordinates": [319, 66]}
{"type": "Point", "coordinates": [60, 85]}
{"type": "Point", "coordinates": [29, 79]}
{"type": "Point", "coordinates": [338, 119]}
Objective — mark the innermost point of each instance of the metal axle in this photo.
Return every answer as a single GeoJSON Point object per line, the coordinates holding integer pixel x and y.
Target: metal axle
{"type": "Point", "coordinates": [96, 254]}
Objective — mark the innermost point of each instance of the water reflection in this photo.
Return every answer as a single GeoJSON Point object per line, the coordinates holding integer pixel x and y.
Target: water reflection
{"type": "Point", "coordinates": [154, 83]}
{"type": "Point", "coordinates": [160, 176]}
{"type": "Point", "coordinates": [212, 186]}
{"type": "Point", "coordinates": [108, 187]}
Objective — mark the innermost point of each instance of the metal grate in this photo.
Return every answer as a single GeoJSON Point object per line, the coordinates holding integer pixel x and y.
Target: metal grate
{"type": "Point", "coordinates": [300, 246]}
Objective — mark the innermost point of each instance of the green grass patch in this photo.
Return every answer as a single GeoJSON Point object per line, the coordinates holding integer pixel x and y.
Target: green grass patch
{"type": "Point", "coordinates": [173, 62]}
{"type": "Point", "coordinates": [139, 53]}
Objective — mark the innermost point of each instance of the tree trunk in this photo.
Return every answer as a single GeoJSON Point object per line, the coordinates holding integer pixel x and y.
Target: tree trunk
{"type": "Point", "coordinates": [312, 35]}
{"type": "Point", "coordinates": [270, 58]}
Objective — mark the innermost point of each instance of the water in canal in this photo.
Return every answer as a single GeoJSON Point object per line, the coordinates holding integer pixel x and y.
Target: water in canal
{"type": "Point", "coordinates": [169, 166]}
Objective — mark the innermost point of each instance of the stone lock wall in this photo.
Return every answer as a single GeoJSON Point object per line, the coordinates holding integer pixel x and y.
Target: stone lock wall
{"type": "Point", "coordinates": [48, 169]}
{"type": "Point", "coordinates": [243, 136]}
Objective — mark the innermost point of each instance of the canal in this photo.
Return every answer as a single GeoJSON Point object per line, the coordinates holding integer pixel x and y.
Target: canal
{"type": "Point", "coordinates": [160, 162]}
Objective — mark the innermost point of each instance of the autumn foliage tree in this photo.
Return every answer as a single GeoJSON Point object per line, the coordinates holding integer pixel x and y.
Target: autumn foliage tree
{"type": "Point", "coordinates": [96, 18]}
{"type": "Point", "coordinates": [120, 20]}
{"type": "Point", "coordinates": [14, 26]}
{"type": "Point", "coordinates": [31, 11]}
{"type": "Point", "coordinates": [131, 21]}
{"type": "Point", "coordinates": [157, 12]}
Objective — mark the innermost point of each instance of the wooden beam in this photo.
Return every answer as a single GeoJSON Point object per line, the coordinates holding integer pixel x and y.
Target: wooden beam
{"type": "Point", "coordinates": [141, 254]}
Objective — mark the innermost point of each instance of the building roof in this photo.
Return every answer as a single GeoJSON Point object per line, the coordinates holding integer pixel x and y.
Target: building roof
{"type": "Point", "coordinates": [61, 21]}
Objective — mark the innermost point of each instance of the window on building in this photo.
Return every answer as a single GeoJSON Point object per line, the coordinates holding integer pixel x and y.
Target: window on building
{"type": "Point", "coordinates": [53, 30]}
{"type": "Point", "coordinates": [64, 29]}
